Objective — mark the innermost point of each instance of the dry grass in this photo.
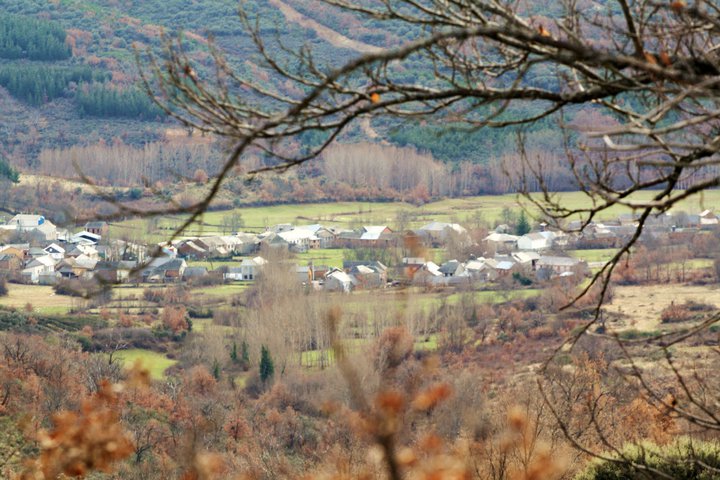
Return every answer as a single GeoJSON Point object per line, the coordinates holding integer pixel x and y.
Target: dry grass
{"type": "Point", "coordinates": [42, 298]}
{"type": "Point", "coordinates": [642, 305]}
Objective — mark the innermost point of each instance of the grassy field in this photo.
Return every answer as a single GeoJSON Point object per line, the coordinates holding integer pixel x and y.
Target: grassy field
{"type": "Point", "coordinates": [465, 210]}
{"type": "Point", "coordinates": [42, 298]}
{"type": "Point", "coordinates": [643, 304]}
{"type": "Point", "coordinates": [155, 362]}
{"type": "Point", "coordinates": [593, 255]}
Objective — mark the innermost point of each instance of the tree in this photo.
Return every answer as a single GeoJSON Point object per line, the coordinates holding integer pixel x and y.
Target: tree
{"type": "Point", "coordinates": [523, 226]}
{"type": "Point", "coordinates": [267, 369]}
{"type": "Point", "coordinates": [648, 71]}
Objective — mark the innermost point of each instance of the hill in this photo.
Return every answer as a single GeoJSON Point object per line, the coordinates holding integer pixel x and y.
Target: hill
{"type": "Point", "coordinates": [69, 75]}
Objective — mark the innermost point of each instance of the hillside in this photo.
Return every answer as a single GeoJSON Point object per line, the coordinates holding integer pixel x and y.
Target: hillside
{"type": "Point", "coordinates": [69, 77]}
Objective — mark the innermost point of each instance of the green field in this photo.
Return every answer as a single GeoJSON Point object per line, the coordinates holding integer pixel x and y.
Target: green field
{"type": "Point", "coordinates": [467, 211]}
{"type": "Point", "coordinates": [593, 255]}
{"type": "Point", "coordinates": [155, 362]}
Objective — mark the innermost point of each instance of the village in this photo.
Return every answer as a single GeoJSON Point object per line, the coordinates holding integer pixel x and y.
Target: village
{"type": "Point", "coordinates": [37, 252]}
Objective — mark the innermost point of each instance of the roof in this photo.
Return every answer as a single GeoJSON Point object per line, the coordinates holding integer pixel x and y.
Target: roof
{"type": "Point", "coordinates": [525, 257]}
{"type": "Point", "coordinates": [195, 271]}
{"type": "Point", "coordinates": [441, 226]}
{"type": "Point", "coordinates": [299, 234]}
{"type": "Point", "coordinates": [99, 224]}
{"type": "Point", "coordinates": [432, 268]}
{"type": "Point", "coordinates": [501, 237]}
{"type": "Point", "coordinates": [373, 232]}
{"type": "Point", "coordinates": [27, 221]}
{"type": "Point", "coordinates": [450, 266]}
{"type": "Point", "coordinates": [340, 276]}
{"type": "Point", "coordinates": [535, 236]}
{"type": "Point", "coordinates": [557, 261]}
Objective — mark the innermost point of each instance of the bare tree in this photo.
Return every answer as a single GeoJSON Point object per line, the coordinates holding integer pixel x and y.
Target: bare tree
{"type": "Point", "coordinates": [645, 74]}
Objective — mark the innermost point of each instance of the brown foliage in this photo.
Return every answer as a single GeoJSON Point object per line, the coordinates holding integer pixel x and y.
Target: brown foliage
{"type": "Point", "coordinates": [81, 442]}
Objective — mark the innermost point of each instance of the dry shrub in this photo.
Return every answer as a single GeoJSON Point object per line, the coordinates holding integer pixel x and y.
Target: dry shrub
{"type": "Point", "coordinates": [81, 442]}
{"type": "Point", "coordinates": [689, 310]}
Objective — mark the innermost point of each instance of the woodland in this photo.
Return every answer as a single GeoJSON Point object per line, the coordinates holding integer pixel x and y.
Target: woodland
{"type": "Point", "coordinates": [130, 109]}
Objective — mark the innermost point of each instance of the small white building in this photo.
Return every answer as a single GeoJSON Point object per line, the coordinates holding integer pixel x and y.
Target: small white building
{"type": "Point", "coordinates": [338, 281]}
{"type": "Point", "coordinates": [535, 241]}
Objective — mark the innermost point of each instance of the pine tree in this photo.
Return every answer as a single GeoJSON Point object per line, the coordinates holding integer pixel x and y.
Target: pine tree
{"type": "Point", "coordinates": [523, 226]}
{"type": "Point", "coordinates": [245, 355]}
{"type": "Point", "coordinates": [234, 353]}
{"type": "Point", "coordinates": [216, 369]}
{"type": "Point", "coordinates": [267, 369]}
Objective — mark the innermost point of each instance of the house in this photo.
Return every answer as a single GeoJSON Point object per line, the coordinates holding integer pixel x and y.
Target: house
{"type": "Point", "coordinates": [410, 265]}
{"type": "Point", "coordinates": [452, 268]}
{"type": "Point", "coordinates": [19, 250]}
{"type": "Point", "coordinates": [550, 266]}
{"type": "Point", "coordinates": [164, 269]}
{"type": "Point", "coordinates": [98, 228]}
{"type": "Point", "coordinates": [247, 243]}
{"type": "Point", "coordinates": [526, 259]}
{"type": "Point", "coordinates": [300, 239]}
{"type": "Point", "coordinates": [427, 274]}
{"type": "Point", "coordinates": [535, 241]}
{"type": "Point", "coordinates": [481, 271]}
{"type": "Point", "coordinates": [338, 281]}
{"type": "Point", "coordinates": [191, 250]}
{"type": "Point", "coordinates": [85, 237]}
{"type": "Point", "coordinates": [233, 273]}
{"type": "Point", "coordinates": [116, 271]}
{"type": "Point", "coordinates": [368, 276]}
{"type": "Point", "coordinates": [83, 249]}
{"type": "Point", "coordinates": [215, 246]}
{"type": "Point", "coordinates": [326, 237]}
{"type": "Point", "coordinates": [273, 240]}
{"type": "Point", "coordinates": [194, 272]}
{"type": "Point", "coordinates": [36, 267]}
{"type": "Point", "coordinates": [36, 226]}
{"type": "Point", "coordinates": [438, 233]}
{"type": "Point", "coordinates": [251, 267]}
{"type": "Point", "coordinates": [55, 251]}
{"type": "Point", "coordinates": [708, 218]}
{"type": "Point", "coordinates": [501, 242]}
{"type": "Point", "coordinates": [9, 262]}
{"type": "Point", "coordinates": [367, 237]}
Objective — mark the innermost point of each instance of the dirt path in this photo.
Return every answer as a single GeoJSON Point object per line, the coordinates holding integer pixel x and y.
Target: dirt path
{"type": "Point", "coordinates": [327, 34]}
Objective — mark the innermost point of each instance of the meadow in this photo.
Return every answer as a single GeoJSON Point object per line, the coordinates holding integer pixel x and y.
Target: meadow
{"type": "Point", "coordinates": [468, 211]}
{"type": "Point", "coordinates": [155, 362]}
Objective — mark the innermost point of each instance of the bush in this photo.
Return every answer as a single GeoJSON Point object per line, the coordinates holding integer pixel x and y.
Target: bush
{"type": "Point", "coordinates": [674, 313]}
{"type": "Point", "coordinates": [3, 287]}
{"type": "Point", "coordinates": [685, 459]}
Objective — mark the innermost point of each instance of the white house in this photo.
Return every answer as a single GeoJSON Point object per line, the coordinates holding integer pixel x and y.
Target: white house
{"type": "Point", "coordinates": [439, 232]}
{"type": "Point", "coordinates": [44, 265]}
{"type": "Point", "coordinates": [300, 239]}
{"type": "Point", "coordinates": [338, 281]}
{"type": "Point", "coordinates": [535, 241]}
{"type": "Point", "coordinates": [248, 270]}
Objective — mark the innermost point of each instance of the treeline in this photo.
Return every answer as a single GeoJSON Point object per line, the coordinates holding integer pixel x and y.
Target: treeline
{"type": "Point", "coordinates": [124, 165]}
{"type": "Point", "coordinates": [32, 38]}
{"type": "Point", "coordinates": [101, 100]}
{"type": "Point", "coordinates": [345, 172]}
{"type": "Point", "coordinates": [36, 84]}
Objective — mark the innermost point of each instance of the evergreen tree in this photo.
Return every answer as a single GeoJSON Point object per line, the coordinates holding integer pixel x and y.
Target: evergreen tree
{"type": "Point", "coordinates": [234, 353]}
{"type": "Point", "coordinates": [216, 369]}
{"type": "Point", "coordinates": [523, 226]}
{"type": "Point", "coordinates": [267, 368]}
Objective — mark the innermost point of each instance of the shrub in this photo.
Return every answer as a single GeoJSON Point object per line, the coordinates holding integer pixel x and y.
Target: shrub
{"type": "Point", "coordinates": [3, 287]}
{"type": "Point", "coordinates": [685, 459]}
{"type": "Point", "coordinates": [674, 313]}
